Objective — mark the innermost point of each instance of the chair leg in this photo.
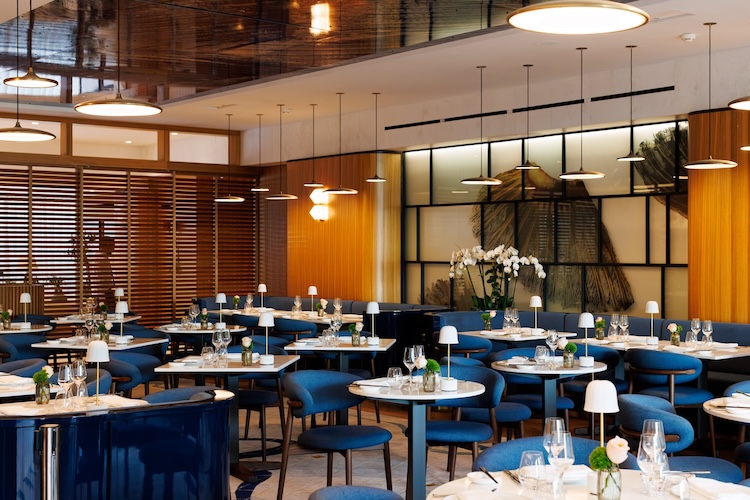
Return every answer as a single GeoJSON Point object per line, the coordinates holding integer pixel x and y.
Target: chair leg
{"type": "Point", "coordinates": [452, 452]}
{"type": "Point", "coordinates": [280, 392]}
{"type": "Point", "coordinates": [262, 419]}
{"type": "Point", "coordinates": [329, 469]}
{"type": "Point", "coordinates": [285, 455]}
{"type": "Point", "coordinates": [377, 411]}
{"type": "Point", "coordinates": [387, 461]}
{"type": "Point", "coordinates": [348, 460]}
{"type": "Point", "coordinates": [359, 414]}
{"type": "Point", "coordinates": [247, 421]}
{"type": "Point", "coordinates": [146, 388]}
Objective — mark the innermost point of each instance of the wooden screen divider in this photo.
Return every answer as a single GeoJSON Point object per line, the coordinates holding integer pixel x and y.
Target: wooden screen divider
{"type": "Point", "coordinates": [10, 297]}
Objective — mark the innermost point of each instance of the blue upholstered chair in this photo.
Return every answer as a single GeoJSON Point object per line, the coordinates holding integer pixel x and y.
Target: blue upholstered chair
{"type": "Point", "coordinates": [531, 400]}
{"type": "Point", "coordinates": [294, 329]}
{"type": "Point", "coordinates": [742, 456]}
{"type": "Point", "coordinates": [678, 431]}
{"type": "Point", "coordinates": [466, 433]}
{"type": "Point", "coordinates": [23, 367]}
{"type": "Point", "coordinates": [105, 381]}
{"type": "Point", "coordinates": [130, 369]}
{"type": "Point", "coordinates": [664, 374]}
{"type": "Point", "coordinates": [508, 415]}
{"type": "Point", "coordinates": [352, 492]}
{"type": "Point", "coordinates": [507, 455]}
{"type": "Point", "coordinates": [193, 393]}
{"type": "Point", "coordinates": [606, 355]}
{"type": "Point", "coordinates": [468, 346]}
{"type": "Point", "coordinates": [320, 391]}
{"type": "Point", "coordinates": [18, 346]}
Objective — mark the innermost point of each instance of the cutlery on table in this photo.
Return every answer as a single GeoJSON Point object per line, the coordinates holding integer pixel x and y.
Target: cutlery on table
{"type": "Point", "coordinates": [487, 473]}
{"type": "Point", "coordinates": [513, 476]}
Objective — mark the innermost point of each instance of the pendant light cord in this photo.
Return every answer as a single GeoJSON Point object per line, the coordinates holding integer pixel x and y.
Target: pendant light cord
{"type": "Point", "coordinates": [118, 49]}
{"type": "Point", "coordinates": [581, 49]}
{"type": "Point", "coordinates": [229, 149]}
{"type": "Point", "coordinates": [340, 94]}
{"type": "Point", "coordinates": [481, 112]}
{"type": "Point", "coordinates": [281, 110]}
{"type": "Point", "coordinates": [260, 130]}
{"type": "Point", "coordinates": [528, 100]}
{"type": "Point", "coordinates": [631, 47]}
{"type": "Point", "coordinates": [709, 87]}
{"type": "Point", "coordinates": [18, 59]}
{"type": "Point", "coordinates": [313, 140]}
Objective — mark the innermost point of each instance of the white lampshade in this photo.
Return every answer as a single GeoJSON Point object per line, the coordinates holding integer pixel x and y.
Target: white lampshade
{"type": "Point", "coordinates": [266, 319]}
{"type": "Point", "coordinates": [97, 352]}
{"type": "Point", "coordinates": [262, 288]}
{"type": "Point", "coordinates": [536, 301]}
{"type": "Point", "coordinates": [448, 335]}
{"type": "Point", "coordinates": [652, 307]}
{"type": "Point", "coordinates": [221, 298]}
{"type": "Point", "coordinates": [121, 307]}
{"type": "Point", "coordinates": [312, 290]}
{"type": "Point", "coordinates": [601, 397]}
{"type": "Point", "coordinates": [586, 320]}
{"type": "Point", "coordinates": [119, 292]}
{"type": "Point", "coordinates": [372, 308]}
{"type": "Point", "coordinates": [25, 298]}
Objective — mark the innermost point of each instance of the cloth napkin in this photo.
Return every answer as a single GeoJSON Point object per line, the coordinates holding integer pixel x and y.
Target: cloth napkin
{"type": "Point", "coordinates": [725, 345]}
{"type": "Point", "coordinates": [378, 382]}
{"type": "Point", "coordinates": [15, 380]}
{"type": "Point", "coordinates": [576, 474]}
{"type": "Point", "coordinates": [716, 490]}
{"type": "Point", "coordinates": [114, 401]}
{"type": "Point", "coordinates": [678, 348]}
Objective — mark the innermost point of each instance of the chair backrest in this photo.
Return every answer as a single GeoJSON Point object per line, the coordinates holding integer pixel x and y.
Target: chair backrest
{"type": "Point", "coordinates": [507, 455]}
{"type": "Point", "coordinates": [635, 408]}
{"type": "Point", "coordinates": [320, 391]}
{"type": "Point", "coordinates": [286, 328]}
{"type": "Point", "coordinates": [23, 367]}
{"type": "Point", "coordinates": [493, 383]}
{"type": "Point", "coordinates": [195, 393]}
{"type": "Point", "coordinates": [743, 386]}
{"type": "Point", "coordinates": [349, 492]}
{"type": "Point", "coordinates": [105, 381]}
{"type": "Point", "coordinates": [513, 378]}
{"type": "Point", "coordinates": [458, 360]}
{"type": "Point", "coordinates": [468, 345]}
{"type": "Point", "coordinates": [644, 362]}
{"type": "Point", "coordinates": [21, 345]}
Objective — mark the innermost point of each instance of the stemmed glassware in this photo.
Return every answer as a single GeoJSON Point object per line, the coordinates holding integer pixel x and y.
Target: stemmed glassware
{"type": "Point", "coordinates": [507, 319]}
{"type": "Point", "coordinates": [614, 320]}
{"type": "Point", "coordinates": [217, 341]}
{"type": "Point", "coordinates": [561, 456]}
{"type": "Point", "coordinates": [79, 376]}
{"type": "Point", "coordinates": [624, 323]}
{"type": "Point", "coordinates": [551, 426]}
{"type": "Point", "coordinates": [514, 320]}
{"type": "Point", "coordinates": [193, 312]}
{"type": "Point", "coordinates": [336, 321]}
{"type": "Point", "coordinates": [651, 457]}
{"type": "Point", "coordinates": [691, 337]}
{"type": "Point", "coordinates": [551, 340]}
{"type": "Point", "coordinates": [708, 331]}
{"type": "Point", "coordinates": [226, 339]}
{"type": "Point", "coordinates": [64, 380]}
{"type": "Point", "coordinates": [410, 360]}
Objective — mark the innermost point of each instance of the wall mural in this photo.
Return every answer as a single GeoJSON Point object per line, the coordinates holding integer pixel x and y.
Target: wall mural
{"type": "Point", "coordinates": [562, 225]}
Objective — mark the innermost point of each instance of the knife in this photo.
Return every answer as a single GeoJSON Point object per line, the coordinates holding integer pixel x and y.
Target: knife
{"type": "Point", "coordinates": [487, 473]}
{"type": "Point", "coordinates": [512, 476]}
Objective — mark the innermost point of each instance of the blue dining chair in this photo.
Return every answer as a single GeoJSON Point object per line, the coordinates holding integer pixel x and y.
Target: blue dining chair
{"type": "Point", "coordinates": [468, 346]}
{"type": "Point", "coordinates": [353, 492]}
{"type": "Point", "coordinates": [23, 367]}
{"type": "Point", "coordinates": [321, 391]}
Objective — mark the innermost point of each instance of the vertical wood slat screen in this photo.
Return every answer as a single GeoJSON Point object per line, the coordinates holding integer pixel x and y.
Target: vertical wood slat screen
{"type": "Point", "coordinates": [272, 242]}
{"type": "Point", "coordinates": [14, 227]}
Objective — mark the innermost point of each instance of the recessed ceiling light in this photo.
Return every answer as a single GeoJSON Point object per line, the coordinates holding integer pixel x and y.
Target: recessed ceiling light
{"type": "Point", "coordinates": [175, 133]}
{"type": "Point", "coordinates": [128, 142]}
{"type": "Point", "coordinates": [35, 123]}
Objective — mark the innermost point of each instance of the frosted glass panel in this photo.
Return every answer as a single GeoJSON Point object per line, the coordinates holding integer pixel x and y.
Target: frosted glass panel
{"type": "Point", "coordinates": [656, 173]}
{"type": "Point", "coordinates": [506, 156]}
{"type": "Point", "coordinates": [443, 230]}
{"type": "Point", "coordinates": [449, 166]}
{"type": "Point", "coordinates": [678, 230]}
{"type": "Point", "coordinates": [413, 283]}
{"type": "Point", "coordinates": [45, 147]}
{"type": "Point", "coordinates": [626, 233]}
{"type": "Point", "coordinates": [658, 231]}
{"type": "Point", "coordinates": [410, 234]}
{"type": "Point", "coordinates": [436, 285]}
{"type": "Point", "coordinates": [676, 292]}
{"type": "Point", "coordinates": [645, 283]}
{"type": "Point", "coordinates": [198, 148]}
{"type": "Point", "coordinates": [547, 153]}
{"type": "Point", "coordinates": [116, 142]}
{"type": "Point", "coordinates": [417, 180]}
{"type": "Point", "coordinates": [601, 149]}
{"type": "Point", "coordinates": [537, 228]}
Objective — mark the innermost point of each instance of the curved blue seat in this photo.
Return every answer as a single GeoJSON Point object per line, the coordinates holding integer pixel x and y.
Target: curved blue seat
{"type": "Point", "coordinates": [18, 346]}
{"type": "Point", "coordinates": [661, 374]}
{"type": "Point", "coordinates": [23, 367]}
{"type": "Point", "coordinates": [180, 394]}
{"type": "Point", "coordinates": [321, 391]}
{"type": "Point", "coordinates": [351, 492]}
{"type": "Point", "coordinates": [129, 369]}
{"type": "Point", "coordinates": [609, 357]}
{"type": "Point", "coordinates": [468, 345]}
{"type": "Point", "coordinates": [292, 329]}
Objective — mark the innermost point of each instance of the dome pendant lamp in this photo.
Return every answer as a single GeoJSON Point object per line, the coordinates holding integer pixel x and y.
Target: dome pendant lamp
{"type": "Point", "coordinates": [30, 80]}
{"type": "Point", "coordinates": [709, 163]}
{"type": "Point", "coordinates": [577, 17]}
{"type": "Point", "coordinates": [259, 189]}
{"type": "Point", "coordinates": [313, 183]}
{"type": "Point", "coordinates": [281, 195]}
{"type": "Point", "coordinates": [631, 156]}
{"type": "Point", "coordinates": [581, 174]}
{"type": "Point", "coordinates": [527, 165]}
{"type": "Point", "coordinates": [378, 159]}
{"type": "Point", "coordinates": [229, 198]}
{"type": "Point", "coordinates": [340, 189]}
{"type": "Point", "coordinates": [481, 180]}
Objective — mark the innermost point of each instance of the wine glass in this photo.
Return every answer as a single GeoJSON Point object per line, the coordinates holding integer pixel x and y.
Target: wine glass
{"type": "Point", "coordinates": [64, 380]}
{"type": "Point", "coordinates": [551, 426]}
{"type": "Point", "coordinates": [193, 312]}
{"type": "Point", "coordinates": [614, 319]}
{"type": "Point", "coordinates": [561, 455]}
{"type": "Point", "coordinates": [624, 322]}
{"type": "Point", "coordinates": [552, 338]}
{"type": "Point", "coordinates": [336, 321]}
{"type": "Point", "coordinates": [410, 359]}
{"type": "Point", "coordinates": [79, 376]}
{"type": "Point", "coordinates": [216, 340]}
{"type": "Point", "coordinates": [394, 376]}
{"type": "Point", "coordinates": [297, 301]}
{"type": "Point", "coordinates": [612, 333]}
{"type": "Point", "coordinates": [708, 331]}
{"type": "Point", "coordinates": [691, 338]}
{"type": "Point", "coordinates": [530, 469]}
{"type": "Point", "coordinates": [226, 338]}
{"type": "Point", "coordinates": [514, 319]}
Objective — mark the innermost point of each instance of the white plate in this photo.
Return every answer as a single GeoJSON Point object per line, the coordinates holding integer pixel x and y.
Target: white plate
{"type": "Point", "coordinates": [69, 340]}
{"type": "Point", "coordinates": [478, 477]}
{"type": "Point", "coordinates": [526, 367]}
{"type": "Point", "coordinates": [176, 364]}
{"type": "Point", "coordinates": [617, 344]}
{"type": "Point", "coordinates": [53, 342]}
{"type": "Point", "coordinates": [370, 389]}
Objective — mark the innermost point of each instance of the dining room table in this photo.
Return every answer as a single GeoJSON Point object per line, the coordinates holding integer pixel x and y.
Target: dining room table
{"type": "Point", "coordinates": [14, 386]}
{"type": "Point", "coordinates": [417, 401]}
{"type": "Point", "coordinates": [231, 373]}
{"type": "Point", "coordinates": [78, 319]}
{"type": "Point", "coordinates": [734, 408]}
{"type": "Point", "coordinates": [16, 328]}
{"type": "Point", "coordinates": [312, 317]}
{"type": "Point", "coordinates": [201, 334]}
{"type": "Point", "coordinates": [106, 402]}
{"type": "Point", "coordinates": [515, 336]}
{"type": "Point", "coordinates": [548, 374]}
{"type": "Point", "coordinates": [79, 343]}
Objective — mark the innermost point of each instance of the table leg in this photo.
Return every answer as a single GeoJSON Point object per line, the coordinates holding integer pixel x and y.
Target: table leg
{"type": "Point", "coordinates": [549, 397]}
{"type": "Point", "coordinates": [417, 470]}
{"type": "Point", "coordinates": [342, 360]}
{"type": "Point", "coordinates": [620, 368]}
{"type": "Point", "coordinates": [233, 385]}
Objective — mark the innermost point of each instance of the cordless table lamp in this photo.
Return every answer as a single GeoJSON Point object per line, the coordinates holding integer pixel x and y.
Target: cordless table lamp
{"type": "Point", "coordinates": [266, 321]}
{"type": "Point", "coordinates": [97, 352]}
{"type": "Point", "coordinates": [652, 307]}
{"type": "Point", "coordinates": [586, 321]}
{"type": "Point", "coordinates": [221, 299]}
{"type": "Point", "coordinates": [373, 308]}
{"type": "Point", "coordinates": [601, 398]}
{"type": "Point", "coordinates": [312, 291]}
{"type": "Point", "coordinates": [121, 309]}
{"type": "Point", "coordinates": [262, 288]}
{"type": "Point", "coordinates": [448, 336]}
{"type": "Point", "coordinates": [25, 300]}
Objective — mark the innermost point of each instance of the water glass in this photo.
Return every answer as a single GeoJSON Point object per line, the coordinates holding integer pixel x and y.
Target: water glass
{"type": "Point", "coordinates": [624, 322]}
{"type": "Point", "coordinates": [613, 333]}
{"type": "Point", "coordinates": [541, 355]}
{"type": "Point", "coordinates": [335, 338]}
{"type": "Point", "coordinates": [207, 354]}
{"type": "Point", "coordinates": [65, 380]}
{"type": "Point", "coordinates": [326, 339]}
{"type": "Point", "coordinates": [410, 359]}
{"type": "Point", "coordinates": [530, 469]}
{"type": "Point", "coordinates": [551, 340]}
{"type": "Point", "coordinates": [394, 376]}
{"type": "Point", "coordinates": [614, 320]}
{"type": "Point", "coordinates": [552, 425]}
{"type": "Point", "coordinates": [79, 374]}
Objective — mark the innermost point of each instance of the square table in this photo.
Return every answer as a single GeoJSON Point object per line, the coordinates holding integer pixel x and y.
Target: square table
{"type": "Point", "coordinates": [75, 345]}
{"type": "Point", "coordinates": [231, 373]}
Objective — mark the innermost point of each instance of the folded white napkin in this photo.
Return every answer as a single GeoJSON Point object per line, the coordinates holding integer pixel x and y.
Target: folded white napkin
{"type": "Point", "coordinates": [711, 488]}
{"type": "Point", "coordinates": [725, 345]}
{"type": "Point", "coordinates": [378, 382]}
{"type": "Point", "coordinates": [114, 401]}
{"type": "Point", "coordinates": [678, 348]}
{"type": "Point", "coordinates": [234, 356]}
{"type": "Point", "coordinates": [576, 473]}
{"type": "Point", "coordinates": [637, 339]}
{"type": "Point", "coordinates": [345, 338]}
{"type": "Point", "coordinates": [488, 332]}
{"type": "Point", "coordinates": [15, 380]}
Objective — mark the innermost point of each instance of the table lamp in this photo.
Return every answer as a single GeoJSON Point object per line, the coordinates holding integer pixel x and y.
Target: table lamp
{"type": "Point", "coordinates": [586, 321]}
{"type": "Point", "coordinates": [312, 291]}
{"type": "Point", "coordinates": [601, 397]}
{"type": "Point", "coordinates": [97, 352]}
{"type": "Point", "coordinates": [448, 336]}
{"type": "Point", "coordinates": [262, 288]}
{"type": "Point", "coordinates": [121, 309]}
{"type": "Point", "coordinates": [536, 303]}
{"type": "Point", "coordinates": [266, 321]}
{"type": "Point", "coordinates": [221, 299]}
{"type": "Point", "coordinates": [119, 293]}
{"type": "Point", "coordinates": [373, 308]}
{"type": "Point", "coordinates": [25, 300]}
{"type": "Point", "coordinates": [652, 307]}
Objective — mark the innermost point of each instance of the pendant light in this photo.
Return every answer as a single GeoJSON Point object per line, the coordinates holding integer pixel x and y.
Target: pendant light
{"type": "Point", "coordinates": [709, 163]}
{"type": "Point", "coordinates": [631, 156]}
{"type": "Point", "coordinates": [313, 183]}
{"type": "Point", "coordinates": [581, 174]}
{"type": "Point", "coordinates": [259, 189]}
{"type": "Point", "coordinates": [281, 195]}
{"type": "Point", "coordinates": [117, 106]}
{"type": "Point", "coordinates": [30, 80]}
{"type": "Point", "coordinates": [340, 189]}
{"type": "Point", "coordinates": [577, 17]}
{"type": "Point", "coordinates": [229, 198]}
{"type": "Point", "coordinates": [481, 180]}
{"type": "Point", "coordinates": [527, 165]}
{"type": "Point", "coordinates": [378, 158]}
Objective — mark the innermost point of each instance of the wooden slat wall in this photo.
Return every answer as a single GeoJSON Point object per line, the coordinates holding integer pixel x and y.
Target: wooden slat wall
{"type": "Point", "coordinates": [10, 296]}
{"type": "Point", "coordinates": [719, 220]}
{"type": "Point", "coordinates": [340, 256]}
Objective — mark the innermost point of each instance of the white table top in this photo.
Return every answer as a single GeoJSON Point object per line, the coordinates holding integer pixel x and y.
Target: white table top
{"type": "Point", "coordinates": [77, 319]}
{"type": "Point", "coordinates": [304, 315]}
{"type": "Point", "coordinates": [12, 386]}
{"type": "Point", "coordinates": [80, 346]}
{"type": "Point", "coordinates": [532, 368]}
{"type": "Point", "coordinates": [344, 346]}
{"type": "Point", "coordinates": [718, 352]}
{"type": "Point", "coordinates": [175, 328]}
{"type": "Point", "coordinates": [466, 389]}
{"type": "Point", "coordinates": [716, 407]}
{"type": "Point", "coordinates": [506, 336]}
{"type": "Point", "coordinates": [16, 328]}
{"type": "Point", "coordinates": [507, 489]}
{"type": "Point", "coordinates": [194, 365]}
{"type": "Point", "coordinates": [31, 409]}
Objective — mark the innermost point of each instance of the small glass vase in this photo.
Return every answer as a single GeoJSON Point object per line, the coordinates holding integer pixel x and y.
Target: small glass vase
{"type": "Point", "coordinates": [674, 338]}
{"type": "Point", "coordinates": [428, 381]}
{"type": "Point", "coordinates": [42, 394]}
{"type": "Point", "coordinates": [204, 324]}
{"type": "Point", "coordinates": [568, 359]}
{"type": "Point", "coordinates": [600, 333]}
{"type": "Point", "coordinates": [321, 312]}
{"type": "Point", "coordinates": [609, 484]}
{"type": "Point", "coordinates": [488, 324]}
{"type": "Point", "coordinates": [6, 324]}
{"type": "Point", "coordinates": [355, 338]}
{"type": "Point", "coordinates": [247, 357]}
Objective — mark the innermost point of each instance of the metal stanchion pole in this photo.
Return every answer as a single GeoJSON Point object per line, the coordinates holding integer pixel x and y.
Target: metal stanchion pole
{"type": "Point", "coordinates": [50, 466]}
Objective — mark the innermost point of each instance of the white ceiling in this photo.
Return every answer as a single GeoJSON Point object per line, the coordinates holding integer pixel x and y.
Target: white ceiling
{"type": "Point", "coordinates": [448, 67]}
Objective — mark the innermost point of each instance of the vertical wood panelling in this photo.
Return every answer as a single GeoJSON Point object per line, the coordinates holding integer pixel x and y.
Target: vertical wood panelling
{"type": "Point", "coordinates": [718, 220]}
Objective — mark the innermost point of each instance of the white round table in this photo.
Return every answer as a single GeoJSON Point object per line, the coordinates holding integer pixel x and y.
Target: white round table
{"type": "Point", "coordinates": [417, 401]}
